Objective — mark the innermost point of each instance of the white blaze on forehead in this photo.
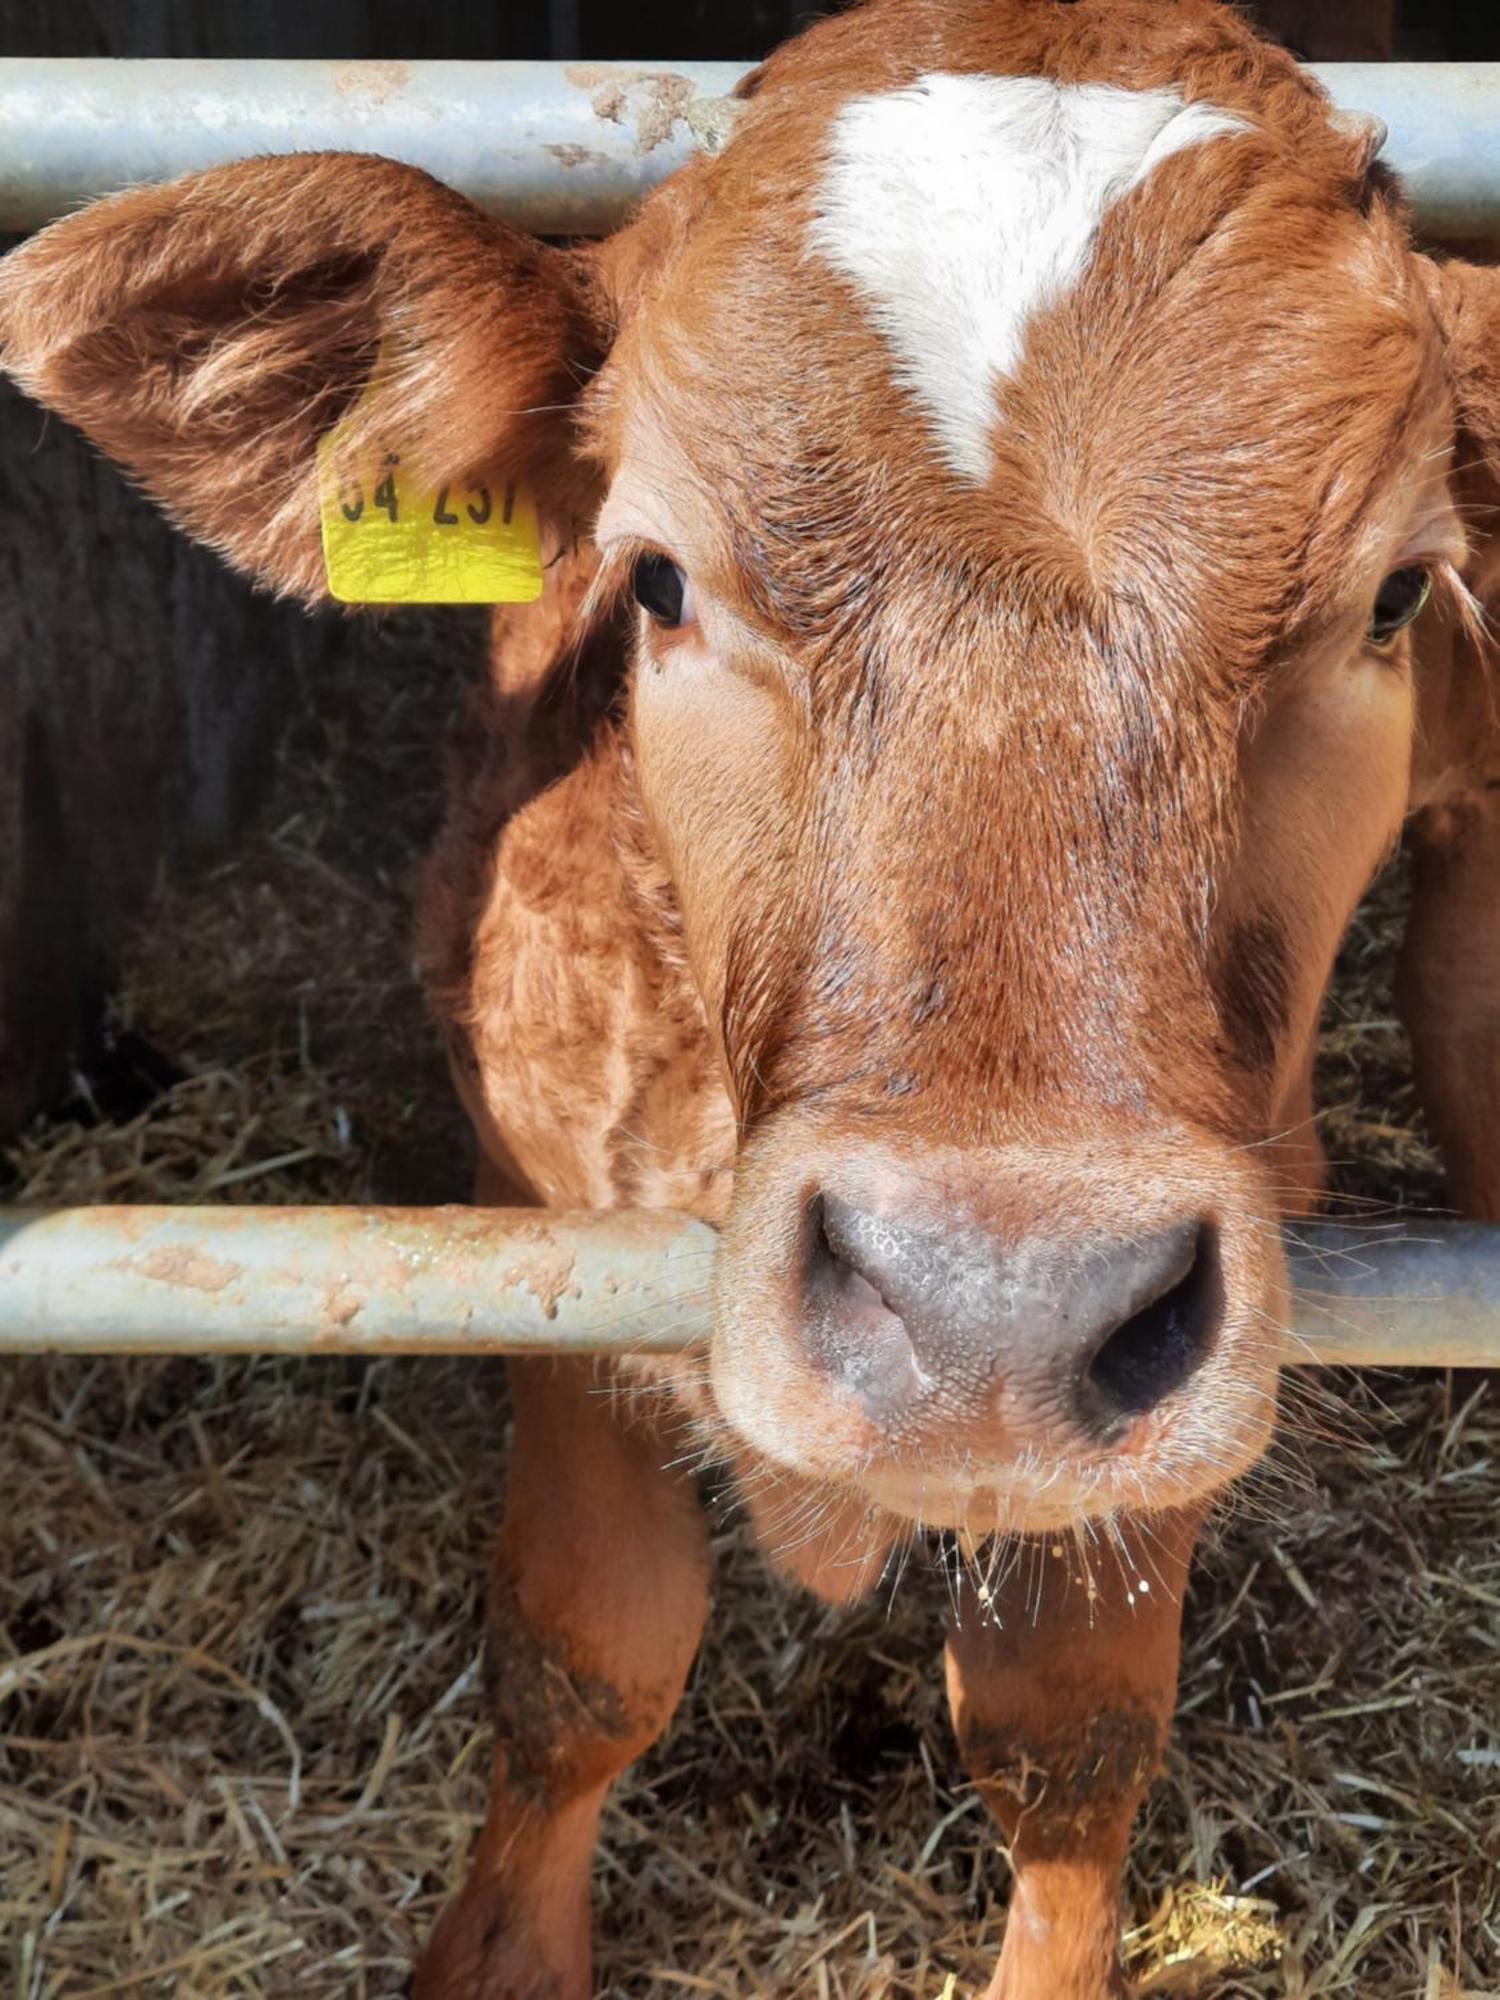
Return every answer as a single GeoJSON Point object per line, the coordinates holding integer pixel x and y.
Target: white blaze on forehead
{"type": "Point", "coordinates": [962, 204]}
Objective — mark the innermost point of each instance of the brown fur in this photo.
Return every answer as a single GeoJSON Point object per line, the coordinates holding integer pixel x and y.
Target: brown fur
{"type": "Point", "coordinates": [991, 845]}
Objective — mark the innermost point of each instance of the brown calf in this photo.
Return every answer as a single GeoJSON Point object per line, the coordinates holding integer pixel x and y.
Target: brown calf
{"type": "Point", "coordinates": [991, 513]}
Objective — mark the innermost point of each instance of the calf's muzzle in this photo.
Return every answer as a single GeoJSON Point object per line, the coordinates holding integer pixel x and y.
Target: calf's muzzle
{"type": "Point", "coordinates": [1024, 1333]}
{"type": "Point", "coordinates": [1091, 1333]}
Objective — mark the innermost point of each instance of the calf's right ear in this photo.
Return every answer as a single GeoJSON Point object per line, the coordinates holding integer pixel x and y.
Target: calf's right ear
{"type": "Point", "coordinates": [207, 333]}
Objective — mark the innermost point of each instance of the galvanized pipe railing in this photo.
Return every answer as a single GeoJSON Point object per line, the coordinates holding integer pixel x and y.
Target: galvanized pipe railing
{"type": "Point", "coordinates": [350, 1280]}
{"type": "Point", "coordinates": [561, 148]}
{"type": "Point", "coordinates": [481, 1281]}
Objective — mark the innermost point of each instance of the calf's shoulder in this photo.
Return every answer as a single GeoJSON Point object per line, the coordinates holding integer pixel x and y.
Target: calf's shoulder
{"type": "Point", "coordinates": [549, 938]}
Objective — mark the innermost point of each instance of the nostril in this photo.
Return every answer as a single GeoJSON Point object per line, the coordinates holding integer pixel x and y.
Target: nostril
{"type": "Point", "coordinates": [856, 1338]}
{"type": "Point", "coordinates": [1145, 1357]}
{"type": "Point", "coordinates": [840, 1250]}
{"type": "Point", "coordinates": [832, 1269]}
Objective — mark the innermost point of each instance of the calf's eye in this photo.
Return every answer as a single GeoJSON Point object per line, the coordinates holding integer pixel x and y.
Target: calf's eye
{"type": "Point", "coordinates": [1397, 602]}
{"type": "Point", "coordinates": [660, 589]}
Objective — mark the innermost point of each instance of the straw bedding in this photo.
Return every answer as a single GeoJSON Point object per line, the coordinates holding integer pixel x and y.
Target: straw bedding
{"type": "Point", "coordinates": [242, 1742]}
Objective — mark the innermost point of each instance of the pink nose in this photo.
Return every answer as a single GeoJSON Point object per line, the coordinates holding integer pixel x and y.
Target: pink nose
{"type": "Point", "coordinates": [1090, 1332]}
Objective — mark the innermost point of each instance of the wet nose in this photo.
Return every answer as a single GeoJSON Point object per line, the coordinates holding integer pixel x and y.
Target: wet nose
{"type": "Point", "coordinates": [1100, 1331]}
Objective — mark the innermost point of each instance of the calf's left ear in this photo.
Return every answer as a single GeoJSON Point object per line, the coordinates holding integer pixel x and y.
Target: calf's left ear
{"type": "Point", "coordinates": [1465, 300]}
{"type": "Point", "coordinates": [208, 333]}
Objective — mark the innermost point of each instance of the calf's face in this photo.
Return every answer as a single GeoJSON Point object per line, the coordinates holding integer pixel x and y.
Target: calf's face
{"type": "Point", "coordinates": [1023, 514]}
{"type": "Point", "coordinates": [1027, 444]}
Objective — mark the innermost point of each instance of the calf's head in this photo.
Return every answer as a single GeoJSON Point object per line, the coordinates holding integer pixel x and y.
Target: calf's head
{"type": "Point", "coordinates": [1028, 446]}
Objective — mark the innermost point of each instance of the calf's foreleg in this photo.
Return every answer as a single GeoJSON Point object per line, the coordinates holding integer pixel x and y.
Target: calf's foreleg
{"type": "Point", "coordinates": [597, 1600]}
{"type": "Point", "coordinates": [1062, 1697]}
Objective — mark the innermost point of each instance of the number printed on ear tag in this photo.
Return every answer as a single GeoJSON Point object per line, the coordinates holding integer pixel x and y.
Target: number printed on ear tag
{"type": "Point", "coordinates": [388, 539]}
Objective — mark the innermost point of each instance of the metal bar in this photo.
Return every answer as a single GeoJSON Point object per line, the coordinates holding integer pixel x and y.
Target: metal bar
{"type": "Point", "coordinates": [1412, 1294]}
{"type": "Point", "coordinates": [479, 1281]}
{"type": "Point", "coordinates": [1443, 121]}
{"type": "Point", "coordinates": [350, 1281]}
{"type": "Point", "coordinates": [560, 148]}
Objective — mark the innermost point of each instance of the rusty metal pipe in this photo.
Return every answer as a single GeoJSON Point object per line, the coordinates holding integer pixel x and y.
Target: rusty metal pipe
{"type": "Point", "coordinates": [515, 1281]}
{"type": "Point", "coordinates": [561, 148]}
{"type": "Point", "coordinates": [350, 1281]}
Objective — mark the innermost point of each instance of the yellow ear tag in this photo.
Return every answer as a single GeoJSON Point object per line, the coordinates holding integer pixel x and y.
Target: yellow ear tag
{"type": "Point", "coordinates": [388, 539]}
